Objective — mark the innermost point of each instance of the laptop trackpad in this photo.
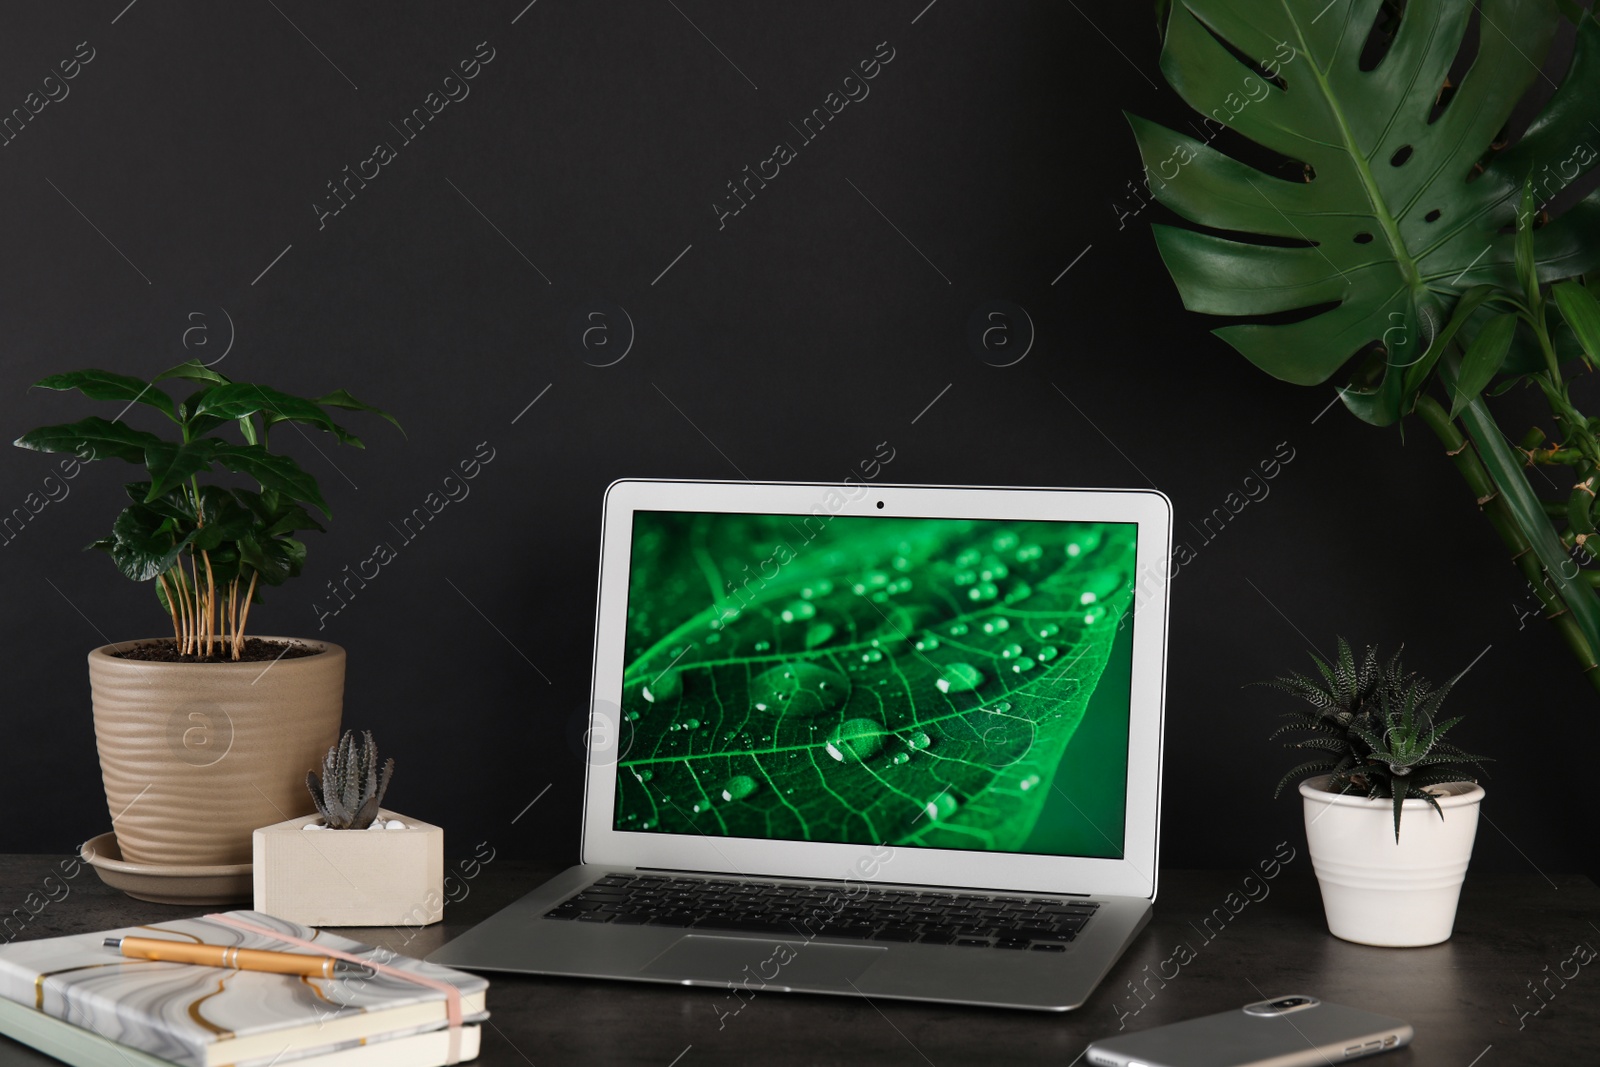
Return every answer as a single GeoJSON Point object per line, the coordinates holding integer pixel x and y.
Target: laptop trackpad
{"type": "Point", "coordinates": [740, 960]}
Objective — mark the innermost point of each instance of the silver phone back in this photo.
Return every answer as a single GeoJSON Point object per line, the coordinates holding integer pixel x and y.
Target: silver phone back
{"type": "Point", "coordinates": [1317, 1033]}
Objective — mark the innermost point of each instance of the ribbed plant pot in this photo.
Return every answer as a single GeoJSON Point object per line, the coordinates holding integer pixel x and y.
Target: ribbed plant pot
{"type": "Point", "coordinates": [195, 756]}
{"type": "Point", "coordinates": [1379, 891]}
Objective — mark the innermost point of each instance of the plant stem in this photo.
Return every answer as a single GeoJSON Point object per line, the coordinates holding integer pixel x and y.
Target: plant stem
{"type": "Point", "coordinates": [1500, 516]}
{"type": "Point", "coordinates": [233, 616]}
{"type": "Point", "coordinates": [211, 604]}
{"type": "Point", "coordinates": [179, 602]}
{"type": "Point", "coordinates": [244, 616]}
{"type": "Point", "coordinates": [172, 609]}
{"type": "Point", "coordinates": [197, 629]}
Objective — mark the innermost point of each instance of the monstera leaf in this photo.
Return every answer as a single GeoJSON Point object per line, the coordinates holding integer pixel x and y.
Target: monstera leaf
{"type": "Point", "coordinates": [1395, 198]}
{"type": "Point", "coordinates": [877, 681]}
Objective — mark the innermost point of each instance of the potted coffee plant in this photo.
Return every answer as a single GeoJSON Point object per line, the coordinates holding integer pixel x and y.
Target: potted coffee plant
{"type": "Point", "coordinates": [353, 863]}
{"type": "Point", "coordinates": [203, 736]}
{"type": "Point", "coordinates": [1397, 200]}
{"type": "Point", "coordinates": [1381, 754]}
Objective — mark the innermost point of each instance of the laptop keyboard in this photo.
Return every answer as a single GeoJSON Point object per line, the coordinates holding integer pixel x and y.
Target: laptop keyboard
{"type": "Point", "coordinates": [1005, 921]}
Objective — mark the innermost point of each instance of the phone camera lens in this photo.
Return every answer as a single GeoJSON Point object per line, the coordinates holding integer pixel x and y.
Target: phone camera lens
{"type": "Point", "coordinates": [880, 505]}
{"type": "Point", "coordinates": [1288, 1002]}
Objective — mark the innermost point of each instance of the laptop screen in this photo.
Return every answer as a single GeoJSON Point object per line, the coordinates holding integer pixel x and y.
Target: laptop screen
{"type": "Point", "coordinates": [922, 682]}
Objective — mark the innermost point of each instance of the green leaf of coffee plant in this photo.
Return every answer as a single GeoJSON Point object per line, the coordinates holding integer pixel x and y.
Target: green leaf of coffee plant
{"type": "Point", "coordinates": [91, 438]}
{"type": "Point", "coordinates": [143, 543]}
{"type": "Point", "coordinates": [274, 472]}
{"type": "Point", "coordinates": [174, 505]}
{"type": "Point", "coordinates": [276, 559]}
{"type": "Point", "coordinates": [194, 371]}
{"type": "Point", "coordinates": [104, 385]}
{"type": "Point", "coordinates": [917, 688]}
{"type": "Point", "coordinates": [1381, 212]}
{"type": "Point", "coordinates": [341, 398]}
{"type": "Point", "coordinates": [240, 399]}
{"type": "Point", "coordinates": [226, 521]}
{"type": "Point", "coordinates": [171, 464]}
{"type": "Point", "coordinates": [1484, 356]}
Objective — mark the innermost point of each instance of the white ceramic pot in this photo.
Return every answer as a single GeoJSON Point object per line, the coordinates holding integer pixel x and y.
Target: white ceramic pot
{"type": "Point", "coordinates": [1378, 891]}
{"type": "Point", "coordinates": [391, 877]}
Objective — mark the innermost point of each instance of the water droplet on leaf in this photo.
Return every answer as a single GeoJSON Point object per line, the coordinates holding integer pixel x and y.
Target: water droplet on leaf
{"type": "Point", "coordinates": [818, 635]}
{"type": "Point", "coordinates": [800, 609]}
{"type": "Point", "coordinates": [941, 807]}
{"type": "Point", "coordinates": [799, 688]}
{"type": "Point", "coordinates": [855, 741]}
{"type": "Point", "coordinates": [664, 686]}
{"type": "Point", "coordinates": [959, 678]}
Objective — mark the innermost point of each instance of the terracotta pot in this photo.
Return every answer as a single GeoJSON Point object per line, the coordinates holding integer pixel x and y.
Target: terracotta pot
{"type": "Point", "coordinates": [1380, 891]}
{"type": "Point", "coordinates": [195, 756]}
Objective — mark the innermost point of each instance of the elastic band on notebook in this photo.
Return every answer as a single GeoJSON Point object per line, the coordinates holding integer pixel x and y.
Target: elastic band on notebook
{"type": "Point", "coordinates": [452, 995]}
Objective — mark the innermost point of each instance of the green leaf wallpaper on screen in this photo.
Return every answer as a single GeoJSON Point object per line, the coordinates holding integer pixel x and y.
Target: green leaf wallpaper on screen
{"type": "Point", "coordinates": [944, 683]}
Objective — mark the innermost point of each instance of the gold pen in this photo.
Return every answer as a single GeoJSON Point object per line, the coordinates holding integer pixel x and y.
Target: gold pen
{"type": "Point", "coordinates": [240, 959]}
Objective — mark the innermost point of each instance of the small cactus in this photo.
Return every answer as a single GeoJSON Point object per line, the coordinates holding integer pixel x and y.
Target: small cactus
{"type": "Point", "coordinates": [352, 784]}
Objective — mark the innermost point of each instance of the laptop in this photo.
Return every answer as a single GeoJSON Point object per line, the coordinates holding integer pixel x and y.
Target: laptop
{"type": "Point", "coordinates": [886, 741]}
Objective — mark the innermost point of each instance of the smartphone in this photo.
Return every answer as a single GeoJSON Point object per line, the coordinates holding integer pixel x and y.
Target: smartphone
{"type": "Point", "coordinates": [1290, 1031]}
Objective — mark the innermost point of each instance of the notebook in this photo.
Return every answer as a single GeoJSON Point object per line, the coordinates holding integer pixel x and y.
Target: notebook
{"type": "Point", "coordinates": [85, 1048]}
{"type": "Point", "coordinates": [208, 1016]}
{"type": "Point", "coordinates": [867, 740]}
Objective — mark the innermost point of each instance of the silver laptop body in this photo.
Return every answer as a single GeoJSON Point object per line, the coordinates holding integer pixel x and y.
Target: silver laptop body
{"type": "Point", "coordinates": [891, 741]}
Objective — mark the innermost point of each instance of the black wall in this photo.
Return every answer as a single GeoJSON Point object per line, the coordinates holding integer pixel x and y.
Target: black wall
{"type": "Point", "coordinates": [787, 342]}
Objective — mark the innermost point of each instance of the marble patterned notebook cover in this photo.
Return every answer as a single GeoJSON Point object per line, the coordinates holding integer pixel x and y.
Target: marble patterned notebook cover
{"type": "Point", "coordinates": [207, 1016]}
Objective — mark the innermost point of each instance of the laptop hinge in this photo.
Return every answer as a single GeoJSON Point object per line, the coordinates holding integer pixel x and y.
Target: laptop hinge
{"type": "Point", "coordinates": [845, 881]}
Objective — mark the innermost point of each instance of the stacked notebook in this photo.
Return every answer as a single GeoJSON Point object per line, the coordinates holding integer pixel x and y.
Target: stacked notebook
{"type": "Point", "coordinates": [76, 1000]}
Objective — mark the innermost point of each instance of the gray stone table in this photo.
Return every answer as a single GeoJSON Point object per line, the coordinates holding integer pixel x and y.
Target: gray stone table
{"type": "Point", "coordinates": [1219, 939]}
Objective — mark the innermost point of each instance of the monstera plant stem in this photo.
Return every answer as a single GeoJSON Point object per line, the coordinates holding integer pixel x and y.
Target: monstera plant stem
{"type": "Point", "coordinates": [1558, 593]}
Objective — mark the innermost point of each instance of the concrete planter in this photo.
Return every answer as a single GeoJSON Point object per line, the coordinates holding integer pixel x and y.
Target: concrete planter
{"type": "Point", "coordinates": [195, 756]}
{"type": "Point", "coordinates": [1377, 891]}
{"type": "Point", "coordinates": [350, 877]}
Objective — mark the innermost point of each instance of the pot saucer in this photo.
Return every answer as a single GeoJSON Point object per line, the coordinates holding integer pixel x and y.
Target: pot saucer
{"type": "Point", "coordinates": [226, 883]}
